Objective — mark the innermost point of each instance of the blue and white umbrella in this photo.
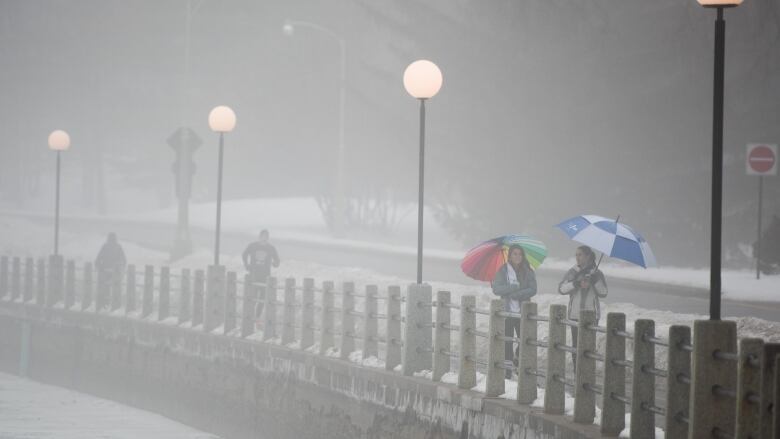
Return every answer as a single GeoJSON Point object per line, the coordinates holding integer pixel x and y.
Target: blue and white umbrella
{"type": "Point", "coordinates": [610, 237]}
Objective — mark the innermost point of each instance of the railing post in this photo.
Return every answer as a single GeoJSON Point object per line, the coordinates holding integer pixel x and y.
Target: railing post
{"type": "Point", "coordinates": [613, 411]}
{"type": "Point", "coordinates": [269, 323]}
{"type": "Point", "coordinates": [347, 320]}
{"type": "Point", "coordinates": [495, 373]}
{"type": "Point", "coordinates": [40, 290]}
{"type": "Point", "coordinates": [307, 314]}
{"type": "Point", "coordinates": [29, 280]}
{"type": "Point", "coordinates": [394, 337]}
{"type": "Point", "coordinates": [185, 296]}
{"type": "Point", "coordinates": [130, 290]}
{"type": "Point", "coordinates": [768, 383]}
{"type": "Point", "coordinates": [288, 325]}
{"type": "Point", "coordinates": [709, 411]}
{"type": "Point", "coordinates": [3, 276]}
{"type": "Point", "coordinates": [327, 341]}
{"type": "Point", "coordinates": [528, 355]}
{"type": "Point", "coordinates": [198, 291]}
{"type": "Point", "coordinates": [215, 297]}
{"type": "Point", "coordinates": [418, 340]}
{"type": "Point", "coordinates": [775, 424]}
{"type": "Point", "coordinates": [70, 283]}
{"type": "Point", "coordinates": [584, 397]}
{"type": "Point", "coordinates": [116, 290]}
{"type": "Point", "coordinates": [231, 290]}
{"type": "Point", "coordinates": [678, 392]}
{"type": "Point", "coordinates": [164, 302]}
{"type": "Point", "coordinates": [467, 372]}
{"type": "Point", "coordinates": [554, 390]}
{"type": "Point", "coordinates": [441, 337]}
{"type": "Point", "coordinates": [749, 388]}
{"type": "Point", "coordinates": [101, 291]}
{"type": "Point", "coordinates": [87, 287]}
{"type": "Point", "coordinates": [248, 307]}
{"type": "Point", "coordinates": [16, 278]}
{"type": "Point", "coordinates": [148, 302]}
{"type": "Point", "coordinates": [642, 382]}
{"type": "Point", "coordinates": [54, 292]}
{"type": "Point", "coordinates": [370, 328]}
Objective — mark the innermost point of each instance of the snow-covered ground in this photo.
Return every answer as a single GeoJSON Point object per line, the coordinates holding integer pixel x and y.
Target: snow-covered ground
{"type": "Point", "coordinates": [32, 410]}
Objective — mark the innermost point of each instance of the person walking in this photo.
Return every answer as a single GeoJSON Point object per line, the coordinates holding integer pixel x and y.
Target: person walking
{"type": "Point", "coordinates": [258, 258]}
{"type": "Point", "coordinates": [110, 263]}
{"type": "Point", "coordinates": [515, 282]}
{"type": "Point", "coordinates": [585, 284]}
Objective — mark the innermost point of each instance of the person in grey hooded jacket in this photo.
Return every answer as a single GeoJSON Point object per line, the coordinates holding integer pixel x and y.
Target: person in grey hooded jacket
{"type": "Point", "coordinates": [515, 282]}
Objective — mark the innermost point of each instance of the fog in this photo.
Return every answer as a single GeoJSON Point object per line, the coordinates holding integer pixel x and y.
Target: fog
{"type": "Point", "coordinates": [549, 109]}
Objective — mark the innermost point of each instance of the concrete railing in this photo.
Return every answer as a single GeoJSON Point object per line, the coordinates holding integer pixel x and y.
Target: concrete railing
{"type": "Point", "coordinates": [708, 388]}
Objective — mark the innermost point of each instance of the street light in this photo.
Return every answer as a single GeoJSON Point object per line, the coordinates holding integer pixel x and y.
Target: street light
{"type": "Point", "coordinates": [222, 120]}
{"type": "Point", "coordinates": [717, 152]}
{"type": "Point", "coordinates": [422, 80]}
{"type": "Point", "coordinates": [59, 141]}
{"type": "Point", "coordinates": [289, 29]}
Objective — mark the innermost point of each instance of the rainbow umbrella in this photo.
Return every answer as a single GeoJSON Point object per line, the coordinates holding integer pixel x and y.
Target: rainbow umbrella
{"type": "Point", "coordinates": [483, 261]}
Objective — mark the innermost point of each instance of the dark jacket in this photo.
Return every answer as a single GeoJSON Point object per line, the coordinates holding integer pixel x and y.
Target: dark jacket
{"type": "Point", "coordinates": [521, 293]}
{"type": "Point", "coordinates": [111, 257]}
{"type": "Point", "coordinates": [258, 259]}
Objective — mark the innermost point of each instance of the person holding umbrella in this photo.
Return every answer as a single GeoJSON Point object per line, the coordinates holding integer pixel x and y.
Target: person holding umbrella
{"type": "Point", "coordinates": [515, 282]}
{"type": "Point", "coordinates": [585, 284]}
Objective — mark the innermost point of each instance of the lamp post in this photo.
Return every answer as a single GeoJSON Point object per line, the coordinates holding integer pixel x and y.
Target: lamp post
{"type": "Point", "coordinates": [422, 80]}
{"type": "Point", "coordinates": [222, 120]}
{"type": "Point", "coordinates": [717, 153]}
{"type": "Point", "coordinates": [58, 141]}
{"type": "Point", "coordinates": [340, 198]}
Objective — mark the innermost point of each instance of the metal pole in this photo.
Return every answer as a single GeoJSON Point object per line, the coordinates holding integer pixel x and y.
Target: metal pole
{"type": "Point", "coordinates": [219, 199]}
{"type": "Point", "coordinates": [57, 210]}
{"type": "Point", "coordinates": [760, 210]}
{"type": "Point", "coordinates": [420, 193]}
{"type": "Point", "coordinates": [717, 167]}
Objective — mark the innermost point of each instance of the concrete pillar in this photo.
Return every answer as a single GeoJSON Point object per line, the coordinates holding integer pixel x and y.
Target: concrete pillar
{"type": "Point", "coordinates": [776, 392]}
{"type": "Point", "coordinates": [394, 337]}
{"type": "Point", "coordinates": [40, 290]}
{"type": "Point", "coordinates": [215, 297]}
{"type": "Point", "coordinates": [528, 355]}
{"type": "Point", "coordinates": [248, 307]}
{"type": "Point", "coordinates": [347, 320]}
{"type": "Point", "coordinates": [494, 386]}
{"type": "Point", "coordinates": [55, 280]}
{"type": "Point", "coordinates": [101, 290]}
{"type": "Point", "coordinates": [130, 290]}
{"type": "Point", "coordinates": [768, 375]}
{"type": "Point", "coordinates": [441, 336]}
{"type": "Point", "coordinates": [307, 314]}
{"type": "Point", "coordinates": [185, 296]}
{"type": "Point", "coordinates": [370, 324]}
{"type": "Point", "coordinates": [29, 280]}
{"type": "Point", "coordinates": [231, 302]}
{"type": "Point", "coordinates": [148, 299]}
{"type": "Point", "coordinates": [116, 290]}
{"type": "Point", "coordinates": [3, 276]}
{"type": "Point", "coordinates": [269, 322]}
{"type": "Point", "coordinates": [678, 393]}
{"type": "Point", "coordinates": [585, 375]}
{"type": "Point", "coordinates": [327, 340]}
{"type": "Point", "coordinates": [749, 387]}
{"type": "Point", "coordinates": [88, 287]}
{"type": "Point", "coordinates": [467, 368]}
{"type": "Point", "coordinates": [613, 412]}
{"type": "Point", "coordinates": [555, 391]}
{"type": "Point", "coordinates": [198, 292]}
{"type": "Point", "coordinates": [70, 283]}
{"type": "Point", "coordinates": [164, 301]}
{"type": "Point", "coordinates": [16, 278]}
{"type": "Point", "coordinates": [709, 411]}
{"type": "Point", "coordinates": [418, 339]}
{"type": "Point", "coordinates": [643, 383]}
{"type": "Point", "coordinates": [288, 326]}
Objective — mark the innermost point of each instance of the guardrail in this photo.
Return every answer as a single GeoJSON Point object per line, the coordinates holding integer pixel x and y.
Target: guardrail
{"type": "Point", "coordinates": [712, 388]}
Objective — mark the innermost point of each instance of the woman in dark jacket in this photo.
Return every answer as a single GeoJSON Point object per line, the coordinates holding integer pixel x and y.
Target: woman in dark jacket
{"type": "Point", "coordinates": [515, 282]}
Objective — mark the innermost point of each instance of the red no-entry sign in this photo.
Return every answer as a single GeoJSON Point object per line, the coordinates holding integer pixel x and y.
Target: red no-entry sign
{"type": "Point", "coordinates": [761, 159]}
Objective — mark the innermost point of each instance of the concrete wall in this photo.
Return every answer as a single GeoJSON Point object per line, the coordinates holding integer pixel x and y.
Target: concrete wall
{"type": "Point", "coordinates": [240, 388]}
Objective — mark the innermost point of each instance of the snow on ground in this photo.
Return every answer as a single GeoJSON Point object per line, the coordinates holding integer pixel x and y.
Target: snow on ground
{"type": "Point", "coordinates": [36, 411]}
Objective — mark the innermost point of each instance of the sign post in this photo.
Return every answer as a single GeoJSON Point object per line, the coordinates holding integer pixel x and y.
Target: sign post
{"type": "Point", "coordinates": [761, 160]}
